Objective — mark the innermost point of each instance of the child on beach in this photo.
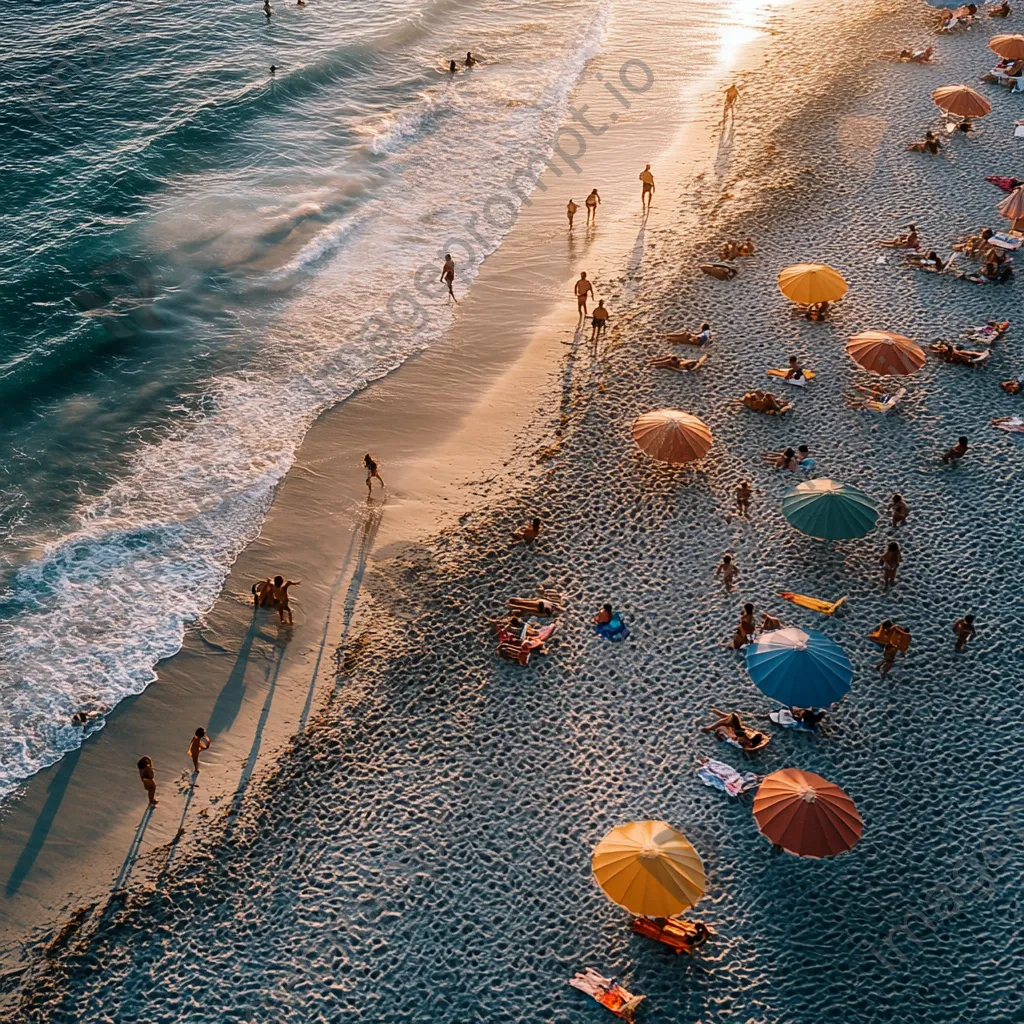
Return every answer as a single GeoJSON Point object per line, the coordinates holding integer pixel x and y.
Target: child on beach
{"type": "Point", "coordinates": [890, 563]}
{"type": "Point", "coordinates": [372, 472]}
{"type": "Point", "coordinates": [956, 453]}
{"type": "Point", "coordinates": [200, 742]}
{"type": "Point", "coordinates": [744, 492]}
{"type": "Point", "coordinates": [964, 629]}
{"type": "Point", "coordinates": [599, 319]}
{"type": "Point", "coordinates": [728, 570]}
{"type": "Point", "coordinates": [148, 777]}
{"type": "Point", "coordinates": [280, 597]}
{"type": "Point", "coordinates": [900, 510]}
{"type": "Point", "coordinates": [530, 532]}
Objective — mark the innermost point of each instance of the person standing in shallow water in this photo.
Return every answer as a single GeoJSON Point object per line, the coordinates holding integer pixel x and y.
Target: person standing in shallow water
{"type": "Point", "coordinates": [448, 275]}
{"type": "Point", "coordinates": [148, 777]}
{"type": "Point", "coordinates": [372, 473]}
{"type": "Point", "coordinates": [570, 212]}
{"type": "Point", "coordinates": [451, 67]}
{"type": "Point", "coordinates": [648, 188]}
{"type": "Point", "coordinates": [593, 201]}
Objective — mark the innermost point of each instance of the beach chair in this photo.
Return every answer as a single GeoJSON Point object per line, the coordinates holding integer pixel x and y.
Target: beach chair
{"type": "Point", "coordinates": [608, 992]}
{"type": "Point", "coordinates": [680, 935]}
{"type": "Point", "coordinates": [726, 779]}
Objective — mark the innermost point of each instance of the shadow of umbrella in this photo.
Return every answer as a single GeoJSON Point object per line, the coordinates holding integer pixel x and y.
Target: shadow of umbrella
{"type": "Point", "coordinates": [54, 795]}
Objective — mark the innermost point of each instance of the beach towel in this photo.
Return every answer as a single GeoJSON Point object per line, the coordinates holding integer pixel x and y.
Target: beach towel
{"type": "Point", "coordinates": [721, 776]}
{"type": "Point", "coordinates": [1006, 184]}
{"type": "Point", "coordinates": [615, 630]}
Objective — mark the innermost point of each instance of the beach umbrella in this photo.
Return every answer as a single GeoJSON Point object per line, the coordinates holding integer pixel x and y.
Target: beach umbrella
{"type": "Point", "coordinates": [1012, 207]}
{"type": "Point", "coordinates": [806, 815]}
{"type": "Point", "coordinates": [649, 868]}
{"type": "Point", "coordinates": [799, 668]}
{"type": "Point", "coordinates": [885, 353]}
{"type": "Point", "coordinates": [829, 510]}
{"type": "Point", "coordinates": [672, 436]}
{"type": "Point", "coordinates": [961, 100]}
{"type": "Point", "coordinates": [1008, 47]}
{"type": "Point", "coordinates": [808, 283]}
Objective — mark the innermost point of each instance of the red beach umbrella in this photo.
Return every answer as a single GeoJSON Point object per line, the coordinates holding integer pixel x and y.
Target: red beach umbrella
{"type": "Point", "coordinates": [806, 815]}
{"type": "Point", "coordinates": [883, 353]}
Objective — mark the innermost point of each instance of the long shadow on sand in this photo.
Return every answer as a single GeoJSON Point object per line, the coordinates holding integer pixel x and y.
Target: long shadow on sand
{"type": "Point", "coordinates": [133, 851]}
{"type": "Point", "coordinates": [229, 700]}
{"type": "Point", "coordinates": [54, 795]}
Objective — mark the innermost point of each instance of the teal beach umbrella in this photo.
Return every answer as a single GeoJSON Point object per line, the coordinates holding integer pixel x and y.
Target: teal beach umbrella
{"type": "Point", "coordinates": [799, 668]}
{"type": "Point", "coordinates": [829, 510]}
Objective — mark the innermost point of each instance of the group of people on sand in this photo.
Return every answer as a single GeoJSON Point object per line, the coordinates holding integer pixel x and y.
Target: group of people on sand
{"type": "Point", "coordinates": [200, 742]}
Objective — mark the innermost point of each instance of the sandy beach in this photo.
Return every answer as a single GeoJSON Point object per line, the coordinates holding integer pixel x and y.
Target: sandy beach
{"type": "Point", "coordinates": [394, 823]}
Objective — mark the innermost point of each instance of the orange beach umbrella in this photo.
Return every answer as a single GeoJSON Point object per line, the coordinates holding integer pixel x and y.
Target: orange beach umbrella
{"type": "Point", "coordinates": [649, 868]}
{"type": "Point", "coordinates": [806, 815]}
{"type": "Point", "coordinates": [961, 100]}
{"type": "Point", "coordinates": [1012, 207]}
{"type": "Point", "coordinates": [1008, 47]}
{"type": "Point", "coordinates": [672, 436]}
{"type": "Point", "coordinates": [883, 353]}
{"type": "Point", "coordinates": [808, 283]}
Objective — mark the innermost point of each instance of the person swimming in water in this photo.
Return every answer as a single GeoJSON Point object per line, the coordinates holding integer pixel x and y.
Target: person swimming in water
{"type": "Point", "coordinates": [470, 60]}
{"type": "Point", "coordinates": [451, 67]}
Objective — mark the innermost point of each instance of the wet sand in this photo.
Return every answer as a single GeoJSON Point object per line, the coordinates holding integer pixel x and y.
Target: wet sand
{"type": "Point", "coordinates": [422, 853]}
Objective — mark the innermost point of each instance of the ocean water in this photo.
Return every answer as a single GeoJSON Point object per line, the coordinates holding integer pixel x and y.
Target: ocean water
{"type": "Point", "coordinates": [198, 258]}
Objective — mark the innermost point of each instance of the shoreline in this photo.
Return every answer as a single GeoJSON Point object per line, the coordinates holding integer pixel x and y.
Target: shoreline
{"type": "Point", "coordinates": [253, 685]}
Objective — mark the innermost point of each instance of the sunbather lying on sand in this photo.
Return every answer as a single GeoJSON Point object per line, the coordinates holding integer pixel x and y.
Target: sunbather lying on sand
{"type": "Point", "coordinates": [909, 240]}
{"type": "Point", "coordinates": [533, 606]}
{"type": "Point", "coordinates": [1013, 385]}
{"type": "Point", "coordinates": [782, 460]}
{"type": "Point", "coordinates": [930, 261]}
{"type": "Point", "coordinates": [950, 353]}
{"type": "Point", "coordinates": [817, 311]}
{"type": "Point", "coordinates": [974, 245]}
{"type": "Point", "coordinates": [1000, 10]}
{"type": "Point", "coordinates": [769, 623]}
{"type": "Point", "coordinates": [993, 271]}
{"type": "Point", "coordinates": [731, 728]}
{"type": "Point", "coordinates": [734, 250]}
{"type": "Point", "coordinates": [764, 401]}
{"type": "Point", "coordinates": [701, 337]}
{"type": "Point", "coordinates": [677, 363]}
{"type": "Point", "coordinates": [930, 144]}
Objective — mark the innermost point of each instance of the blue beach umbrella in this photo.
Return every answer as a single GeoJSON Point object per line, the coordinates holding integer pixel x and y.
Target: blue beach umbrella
{"type": "Point", "coordinates": [829, 510]}
{"type": "Point", "coordinates": [799, 668]}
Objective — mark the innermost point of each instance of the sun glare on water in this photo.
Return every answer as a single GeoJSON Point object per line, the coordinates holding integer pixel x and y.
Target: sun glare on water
{"type": "Point", "coordinates": [743, 23]}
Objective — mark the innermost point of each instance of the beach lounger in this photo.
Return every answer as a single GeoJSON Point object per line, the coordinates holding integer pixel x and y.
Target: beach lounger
{"type": "Point", "coordinates": [723, 777]}
{"type": "Point", "coordinates": [680, 935]}
{"type": "Point", "coordinates": [608, 992]}
{"type": "Point", "coordinates": [814, 604]}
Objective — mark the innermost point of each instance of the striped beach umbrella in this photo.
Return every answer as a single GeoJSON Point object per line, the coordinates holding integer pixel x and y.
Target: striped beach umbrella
{"type": "Point", "coordinates": [672, 436]}
{"type": "Point", "coordinates": [884, 353]}
{"type": "Point", "coordinates": [829, 510]}
{"type": "Point", "coordinates": [799, 668]}
{"type": "Point", "coordinates": [961, 100]}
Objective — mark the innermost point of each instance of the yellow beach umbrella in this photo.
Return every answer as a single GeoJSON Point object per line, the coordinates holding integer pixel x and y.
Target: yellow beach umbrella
{"type": "Point", "coordinates": [672, 436]}
{"type": "Point", "coordinates": [808, 283]}
{"type": "Point", "coordinates": [649, 868]}
{"type": "Point", "coordinates": [961, 100]}
{"type": "Point", "coordinates": [1008, 47]}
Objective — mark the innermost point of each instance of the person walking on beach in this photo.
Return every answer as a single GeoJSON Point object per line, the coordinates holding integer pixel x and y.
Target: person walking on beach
{"type": "Point", "coordinates": [728, 570]}
{"type": "Point", "coordinates": [956, 453]}
{"type": "Point", "coordinates": [372, 472]}
{"type": "Point", "coordinates": [964, 629]}
{"type": "Point", "coordinates": [599, 319]}
{"type": "Point", "coordinates": [448, 275]}
{"type": "Point", "coordinates": [890, 563]}
{"type": "Point", "coordinates": [279, 599]}
{"type": "Point", "coordinates": [732, 94]}
{"type": "Point", "coordinates": [200, 742]}
{"type": "Point", "coordinates": [148, 777]}
{"type": "Point", "coordinates": [744, 493]}
{"type": "Point", "coordinates": [593, 200]}
{"type": "Point", "coordinates": [570, 212]}
{"type": "Point", "coordinates": [900, 511]}
{"type": "Point", "coordinates": [648, 188]}
{"type": "Point", "coordinates": [583, 289]}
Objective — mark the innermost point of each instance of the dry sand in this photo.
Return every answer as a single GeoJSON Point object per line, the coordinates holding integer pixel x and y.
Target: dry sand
{"type": "Point", "coordinates": [421, 852]}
